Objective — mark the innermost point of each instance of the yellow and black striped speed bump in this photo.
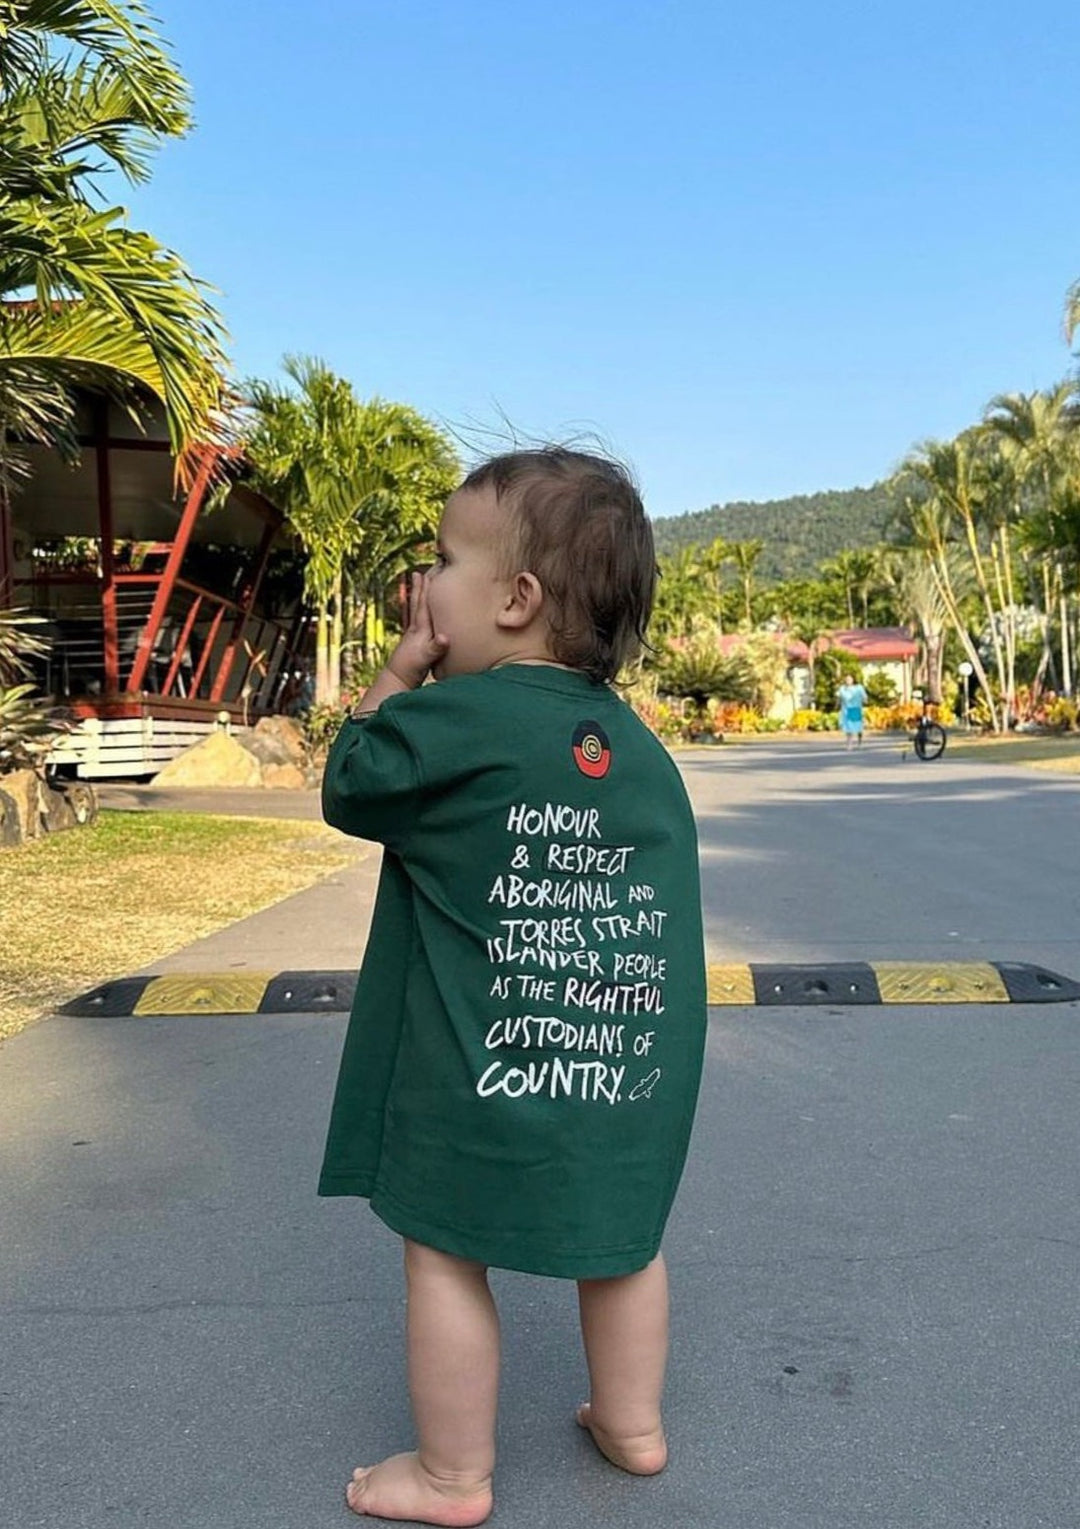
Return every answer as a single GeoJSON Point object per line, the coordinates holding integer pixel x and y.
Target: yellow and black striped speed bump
{"type": "Point", "coordinates": [745, 985]}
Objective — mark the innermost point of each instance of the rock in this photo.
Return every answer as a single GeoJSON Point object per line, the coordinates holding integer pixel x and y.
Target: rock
{"type": "Point", "coordinates": [23, 789]}
{"type": "Point", "coordinates": [284, 736]}
{"type": "Point", "coordinates": [56, 812]}
{"type": "Point", "coordinates": [68, 804]}
{"type": "Point", "coordinates": [30, 807]}
{"type": "Point", "coordinates": [10, 827]}
{"type": "Point", "coordinates": [217, 760]}
{"type": "Point", "coordinates": [268, 751]}
{"type": "Point", "coordinates": [81, 797]}
{"type": "Point", "coordinates": [284, 777]}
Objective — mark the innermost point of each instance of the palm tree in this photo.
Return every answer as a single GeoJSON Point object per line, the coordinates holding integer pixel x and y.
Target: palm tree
{"type": "Point", "coordinates": [1071, 321]}
{"type": "Point", "coordinates": [960, 492]}
{"type": "Point", "coordinates": [921, 602]}
{"type": "Point", "coordinates": [711, 563]}
{"type": "Point", "coordinates": [86, 87]}
{"type": "Point", "coordinates": [745, 554]}
{"type": "Point", "coordinates": [1038, 434]}
{"type": "Point", "coordinates": [843, 570]}
{"type": "Point", "coordinates": [359, 482]}
{"type": "Point", "coordinates": [683, 595]}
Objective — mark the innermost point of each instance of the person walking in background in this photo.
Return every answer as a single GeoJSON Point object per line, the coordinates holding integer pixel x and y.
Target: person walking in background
{"type": "Point", "coordinates": [852, 698]}
{"type": "Point", "coordinates": [525, 1049]}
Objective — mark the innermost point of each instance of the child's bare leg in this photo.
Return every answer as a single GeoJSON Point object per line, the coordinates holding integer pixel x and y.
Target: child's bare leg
{"type": "Point", "coordinates": [453, 1346]}
{"type": "Point", "coordinates": [624, 1323]}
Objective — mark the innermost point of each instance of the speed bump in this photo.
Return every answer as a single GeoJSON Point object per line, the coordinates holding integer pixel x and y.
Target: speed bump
{"type": "Point", "coordinates": [219, 993]}
{"type": "Point", "coordinates": [833, 983]}
{"type": "Point", "coordinates": [112, 1000]}
{"type": "Point", "coordinates": [1034, 984]}
{"type": "Point", "coordinates": [947, 982]}
{"type": "Point", "coordinates": [309, 993]}
{"type": "Point", "coordinates": [730, 984]}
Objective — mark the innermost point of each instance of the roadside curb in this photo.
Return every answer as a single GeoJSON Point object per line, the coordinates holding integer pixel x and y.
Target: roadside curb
{"type": "Point", "coordinates": [743, 985]}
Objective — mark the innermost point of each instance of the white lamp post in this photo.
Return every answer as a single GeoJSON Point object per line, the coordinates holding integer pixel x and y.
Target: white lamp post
{"type": "Point", "coordinates": [965, 671]}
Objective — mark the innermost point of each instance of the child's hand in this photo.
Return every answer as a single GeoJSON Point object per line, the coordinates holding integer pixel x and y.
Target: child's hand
{"type": "Point", "coordinates": [421, 647]}
{"type": "Point", "coordinates": [414, 657]}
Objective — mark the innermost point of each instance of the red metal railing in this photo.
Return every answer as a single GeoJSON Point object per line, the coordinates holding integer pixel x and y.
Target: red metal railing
{"type": "Point", "coordinates": [206, 647]}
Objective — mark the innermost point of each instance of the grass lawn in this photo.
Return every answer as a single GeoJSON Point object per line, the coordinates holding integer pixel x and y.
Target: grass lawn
{"type": "Point", "coordinates": [1060, 752]}
{"type": "Point", "coordinates": [1057, 752]}
{"type": "Point", "coordinates": [79, 907]}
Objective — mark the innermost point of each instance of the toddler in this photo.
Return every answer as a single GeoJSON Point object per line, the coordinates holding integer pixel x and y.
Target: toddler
{"type": "Point", "coordinates": [523, 1058]}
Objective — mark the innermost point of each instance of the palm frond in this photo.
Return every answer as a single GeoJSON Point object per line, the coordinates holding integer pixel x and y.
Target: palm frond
{"type": "Point", "coordinates": [120, 34]}
{"type": "Point", "coordinates": [141, 314]}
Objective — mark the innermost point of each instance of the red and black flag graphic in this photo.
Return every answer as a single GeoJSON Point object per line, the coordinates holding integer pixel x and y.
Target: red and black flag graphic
{"type": "Point", "coordinates": [592, 751]}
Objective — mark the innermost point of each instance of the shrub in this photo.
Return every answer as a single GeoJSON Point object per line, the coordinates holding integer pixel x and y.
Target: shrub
{"type": "Point", "coordinates": [880, 689]}
{"type": "Point", "coordinates": [900, 717]}
{"type": "Point", "coordinates": [28, 728]}
{"type": "Point", "coordinates": [829, 670]}
{"type": "Point", "coordinates": [695, 668]}
{"type": "Point", "coordinates": [1061, 714]}
{"type": "Point", "coordinates": [321, 725]}
{"type": "Point", "coordinates": [728, 717]}
{"type": "Point", "coordinates": [810, 721]}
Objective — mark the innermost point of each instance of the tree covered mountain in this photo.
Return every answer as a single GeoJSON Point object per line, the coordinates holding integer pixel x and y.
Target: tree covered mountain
{"type": "Point", "coordinates": [799, 533]}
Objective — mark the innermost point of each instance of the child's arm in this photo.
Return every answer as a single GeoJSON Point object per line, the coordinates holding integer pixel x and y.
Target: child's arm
{"type": "Point", "coordinates": [372, 777]}
{"type": "Point", "coordinates": [410, 663]}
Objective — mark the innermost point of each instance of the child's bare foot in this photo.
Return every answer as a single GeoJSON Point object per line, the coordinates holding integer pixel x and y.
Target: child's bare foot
{"type": "Point", "coordinates": [400, 1487]}
{"type": "Point", "coordinates": [643, 1455]}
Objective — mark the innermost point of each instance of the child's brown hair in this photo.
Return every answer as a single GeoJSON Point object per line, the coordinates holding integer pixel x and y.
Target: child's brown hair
{"type": "Point", "coordinates": [579, 525]}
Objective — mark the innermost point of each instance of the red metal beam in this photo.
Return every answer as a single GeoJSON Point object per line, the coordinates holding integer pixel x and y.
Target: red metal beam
{"type": "Point", "coordinates": [211, 638]}
{"type": "Point", "coordinates": [181, 646]}
{"type": "Point", "coordinates": [247, 604]}
{"type": "Point", "coordinates": [149, 635]}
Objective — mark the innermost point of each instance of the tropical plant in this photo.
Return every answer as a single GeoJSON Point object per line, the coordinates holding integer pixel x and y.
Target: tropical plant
{"type": "Point", "coordinates": [27, 730]}
{"type": "Point", "coordinates": [962, 494]}
{"type": "Point", "coordinates": [686, 593]}
{"type": "Point", "coordinates": [712, 561]}
{"type": "Point", "coordinates": [830, 667]}
{"type": "Point", "coordinates": [87, 87]}
{"type": "Point", "coordinates": [745, 555]}
{"type": "Point", "coordinates": [697, 668]}
{"type": "Point", "coordinates": [919, 601]}
{"type": "Point", "coordinates": [1071, 318]}
{"type": "Point", "coordinates": [765, 659]}
{"type": "Point", "coordinates": [361, 483]}
{"type": "Point", "coordinates": [1038, 435]}
{"type": "Point", "coordinates": [857, 571]}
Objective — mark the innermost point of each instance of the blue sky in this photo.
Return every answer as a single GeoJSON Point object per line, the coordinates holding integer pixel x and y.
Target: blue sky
{"type": "Point", "coordinates": [755, 249]}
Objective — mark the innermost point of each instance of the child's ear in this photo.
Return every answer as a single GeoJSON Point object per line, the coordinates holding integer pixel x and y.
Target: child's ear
{"type": "Point", "coordinates": [523, 603]}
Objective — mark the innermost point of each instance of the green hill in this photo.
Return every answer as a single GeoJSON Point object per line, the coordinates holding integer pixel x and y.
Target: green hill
{"type": "Point", "coordinates": [799, 533]}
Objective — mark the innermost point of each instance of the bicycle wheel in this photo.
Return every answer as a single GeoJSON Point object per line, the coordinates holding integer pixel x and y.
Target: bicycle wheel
{"type": "Point", "coordinates": [930, 741]}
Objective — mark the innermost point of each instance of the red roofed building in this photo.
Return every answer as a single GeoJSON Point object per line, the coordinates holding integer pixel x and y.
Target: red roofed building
{"type": "Point", "coordinates": [888, 650]}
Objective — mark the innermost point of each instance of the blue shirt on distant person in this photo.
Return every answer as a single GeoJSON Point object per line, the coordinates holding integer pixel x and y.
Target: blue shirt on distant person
{"type": "Point", "coordinates": [852, 698]}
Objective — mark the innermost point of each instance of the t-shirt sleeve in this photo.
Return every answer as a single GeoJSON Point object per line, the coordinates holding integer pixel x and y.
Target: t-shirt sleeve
{"type": "Point", "coordinates": [371, 784]}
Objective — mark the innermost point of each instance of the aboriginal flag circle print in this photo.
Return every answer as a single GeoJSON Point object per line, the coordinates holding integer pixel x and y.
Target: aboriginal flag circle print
{"type": "Point", "coordinates": [592, 751]}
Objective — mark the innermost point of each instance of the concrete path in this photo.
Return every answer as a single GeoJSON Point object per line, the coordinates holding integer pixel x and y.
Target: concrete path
{"type": "Point", "coordinates": [874, 1252]}
{"type": "Point", "coordinates": [322, 928]}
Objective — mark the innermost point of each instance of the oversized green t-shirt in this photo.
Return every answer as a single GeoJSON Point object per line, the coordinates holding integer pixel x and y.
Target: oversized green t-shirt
{"type": "Point", "coordinates": [525, 1047]}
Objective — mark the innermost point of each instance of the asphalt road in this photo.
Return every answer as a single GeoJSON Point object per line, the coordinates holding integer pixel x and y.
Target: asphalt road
{"type": "Point", "coordinates": [875, 1254]}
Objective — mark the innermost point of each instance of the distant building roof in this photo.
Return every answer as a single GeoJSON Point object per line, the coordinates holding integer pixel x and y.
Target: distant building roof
{"type": "Point", "coordinates": [881, 644]}
{"type": "Point", "coordinates": [876, 642]}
